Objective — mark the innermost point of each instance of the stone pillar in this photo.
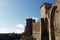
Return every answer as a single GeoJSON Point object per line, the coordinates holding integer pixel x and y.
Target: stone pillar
{"type": "Point", "coordinates": [44, 31]}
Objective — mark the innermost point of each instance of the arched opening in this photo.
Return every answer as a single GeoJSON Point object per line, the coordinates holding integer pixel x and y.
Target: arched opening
{"type": "Point", "coordinates": [51, 23]}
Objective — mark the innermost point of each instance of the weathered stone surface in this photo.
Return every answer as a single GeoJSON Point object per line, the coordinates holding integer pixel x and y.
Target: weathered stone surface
{"type": "Point", "coordinates": [37, 30]}
{"type": "Point", "coordinates": [57, 20]}
{"type": "Point", "coordinates": [51, 26]}
{"type": "Point", "coordinates": [29, 25]}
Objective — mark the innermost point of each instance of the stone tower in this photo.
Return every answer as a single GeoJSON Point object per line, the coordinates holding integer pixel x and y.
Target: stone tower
{"type": "Point", "coordinates": [44, 21]}
{"type": "Point", "coordinates": [44, 9]}
{"type": "Point", "coordinates": [28, 27]}
{"type": "Point", "coordinates": [56, 18]}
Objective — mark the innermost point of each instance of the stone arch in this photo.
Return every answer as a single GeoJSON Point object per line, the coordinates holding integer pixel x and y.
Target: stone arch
{"type": "Point", "coordinates": [51, 22]}
{"type": "Point", "coordinates": [53, 12]}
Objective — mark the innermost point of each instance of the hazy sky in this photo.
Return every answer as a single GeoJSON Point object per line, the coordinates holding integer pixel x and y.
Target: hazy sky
{"type": "Point", "coordinates": [14, 12]}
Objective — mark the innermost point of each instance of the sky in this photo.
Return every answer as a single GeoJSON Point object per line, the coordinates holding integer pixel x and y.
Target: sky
{"type": "Point", "coordinates": [13, 14]}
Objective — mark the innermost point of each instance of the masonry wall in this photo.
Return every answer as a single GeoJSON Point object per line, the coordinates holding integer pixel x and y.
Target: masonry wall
{"type": "Point", "coordinates": [57, 20]}
{"type": "Point", "coordinates": [54, 19]}
{"type": "Point", "coordinates": [43, 11]}
{"type": "Point", "coordinates": [37, 31]}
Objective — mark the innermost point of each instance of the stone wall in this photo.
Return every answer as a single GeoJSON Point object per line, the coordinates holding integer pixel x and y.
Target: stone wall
{"type": "Point", "coordinates": [52, 24]}
{"type": "Point", "coordinates": [37, 30]}
{"type": "Point", "coordinates": [57, 20]}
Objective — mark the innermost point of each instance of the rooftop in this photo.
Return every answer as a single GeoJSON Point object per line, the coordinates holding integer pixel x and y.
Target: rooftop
{"type": "Point", "coordinates": [45, 4]}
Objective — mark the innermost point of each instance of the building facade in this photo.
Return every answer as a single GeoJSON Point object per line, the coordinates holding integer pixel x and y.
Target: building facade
{"type": "Point", "coordinates": [48, 26]}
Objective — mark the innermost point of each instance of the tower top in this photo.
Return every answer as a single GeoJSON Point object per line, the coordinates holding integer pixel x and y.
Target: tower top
{"type": "Point", "coordinates": [46, 4]}
{"type": "Point", "coordinates": [44, 9]}
{"type": "Point", "coordinates": [58, 0]}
